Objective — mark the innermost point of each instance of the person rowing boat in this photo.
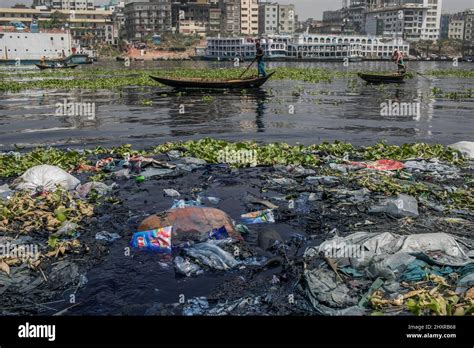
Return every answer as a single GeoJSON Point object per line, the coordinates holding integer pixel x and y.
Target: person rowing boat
{"type": "Point", "coordinates": [398, 58]}
{"type": "Point", "coordinates": [259, 59]}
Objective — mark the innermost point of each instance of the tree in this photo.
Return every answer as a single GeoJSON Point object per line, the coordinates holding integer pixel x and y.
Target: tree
{"type": "Point", "coordinates": [58, 20]}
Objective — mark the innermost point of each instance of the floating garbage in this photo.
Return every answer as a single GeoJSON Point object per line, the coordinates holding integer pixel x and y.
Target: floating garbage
{"type": "Point", "coordinates": [219, 233]}
{"type": "Point", "coordinates": [465, 147]}
{"type": "Point", "coordinates": [183, 203]}
{"type": "Point", "coordinates": [157, 240]}
{"type": "Point", "coordinates": [5, 192]}
{"type": "Point", "coordinates": [211, 255]}
{"type": "Point", "coordinates": [45, 178]}
{"type": "Point", "coordinates": [258, 217]}
{"type": "Point", "coordinates": [383, 164]}
{"type": "Point", "coordinates": [185, 267]}
{"type": "Point", "coordinates": [401, 206]}
{"type": "Point", "coordinates": [107, 236]}
{"type": "Point", "coordinates": [171, 193]}
{"type": "Point", "coordinates": [101, 188]}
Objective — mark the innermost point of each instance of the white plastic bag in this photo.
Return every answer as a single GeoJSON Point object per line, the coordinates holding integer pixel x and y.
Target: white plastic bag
{"type": "Point", "coordinates": [45, 178]}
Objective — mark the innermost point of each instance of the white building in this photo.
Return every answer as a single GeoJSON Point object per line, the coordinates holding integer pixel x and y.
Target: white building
{"type": "Point", "coordinates": [66, 4]}
{"type": "Point", "coordinates": [456, 29]}
{"type": "Point", "coordinates": [249, 17]}
{"type": "Point", "coordinates": [274, 18]}
{"type": "Point", "coordinates": [409, 19]}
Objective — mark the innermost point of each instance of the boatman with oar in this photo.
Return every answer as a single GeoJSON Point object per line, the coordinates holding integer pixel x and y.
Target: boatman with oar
{"type": "Point", "coordinates": [398, 58]}
{"type": "Point", "coordinates": [259, 59]}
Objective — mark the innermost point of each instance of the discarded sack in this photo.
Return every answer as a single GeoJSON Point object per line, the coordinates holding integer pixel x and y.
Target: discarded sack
{"type": "Point", "coordinates": [191, 223]}
{"type": "Point", "coordinates": [258, 217]}
{"type": "Point", "coordinates": [157, 240]}
{"type": "Point", "coordinates": [45, 178]}
{"type": "Point", "coordinates": [383, 164]}
{"type": "Point", "coordinates": [211, 255]}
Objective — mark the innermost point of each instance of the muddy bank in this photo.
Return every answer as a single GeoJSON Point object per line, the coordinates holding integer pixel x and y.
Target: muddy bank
{"type": "Point", "coordinates": [329, 197]}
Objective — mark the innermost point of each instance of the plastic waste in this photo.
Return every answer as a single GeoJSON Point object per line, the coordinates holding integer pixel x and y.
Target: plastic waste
{"type": "Point", "coordinates": [185, 267]}
{"type": "Point", "coordinates": [195, 161]}
{"type": "Point", "coordinates": [67, 228]}
{"type": "Point", "coordinates": [420, 270]}
{"type": "Point", "coordinates": [157, 240]}
{"type": "Point", "coordinates": [401, 206]}
{"type": "Point", "coordinates": [101, 188]}
{"type": "Point", "coordinates": [242, 229]}
{"type": "Point", "coordinates": [213, 200]}
{"type": "Point", "coordinates": [283, 181]}
{"type": "Point", "coordinates": [45, 178]}
{"type": "Point", "coordinates": [196, 306]}
{"type": "Point", "coordinates": [258, 217]}
{"type": "Point", "coordinates": [383, 164]}
{"type": "Point", "coordinates": [465, 147]}
{"type": "Point", "coordinates": [174, 154]}
{"type": "Point", "coordinates": [183, 203]}
{"type": "Point", "coordinates": [5, 192]}
{"type": "Point", "coordinates": [107, 236]}
{"type": "Point", "coordinates": [211, 255]}
{"type": "Point", "coordinates": [151, 172]}
{"type": "Point", "coordinates": [171, 193]}
{"type": "Point", "coordinates": [322, 180]}
{"type": "Point", "coordinates": [219, 233]}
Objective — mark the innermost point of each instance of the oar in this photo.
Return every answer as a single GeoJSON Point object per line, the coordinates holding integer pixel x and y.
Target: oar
{"type": "Point", "coordinates": [253, 61]}
{"type": "Point", "coordinates": [418, 73]}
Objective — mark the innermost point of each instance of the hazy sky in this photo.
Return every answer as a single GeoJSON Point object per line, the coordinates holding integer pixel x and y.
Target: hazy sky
{"type": "Point", "coordinates": [305, 8]}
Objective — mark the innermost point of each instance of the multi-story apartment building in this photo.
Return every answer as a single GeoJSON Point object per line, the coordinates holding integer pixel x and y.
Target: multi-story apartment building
{"type": "Point", "coordinates": [230, 20]}
{"type": "Point", "coordinates": [143, 18]}
{"type": "Point", "coordinates": [456, 29]}
{"type": "Point", "coordinates": [66, 4]}
{"type": "Point", "coordinates": [195, 13]}
{"type": "Point", "coordinates": [249, 17]}
{"type": "Point", "coordinates": [87, 27]}
{"type": "Point", "coordinates": [274, 18]}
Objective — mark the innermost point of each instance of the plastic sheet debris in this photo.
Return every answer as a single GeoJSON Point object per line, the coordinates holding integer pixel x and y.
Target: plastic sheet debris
{"type": "Point", "coordinates": [219, 233]}
{"type": "Point", "coordinates": [394, 251]}
{"type": "Point", "coordinates": [433, 167]}
{"type": "Point", "coordinates": [212, 200]}
{"type": "Point", "coordinates": [258, 217]}
{"type": "Point", "coordinates": [171, 193]}
{"type": "Point", "coordinates": [183, 203]}
{"type": "Point", "coordinates": [401, 206]}
{"type": "Point", "coordinates": [101, 188]}
{"type": "Point", "coordinates": [465, 147]}
{"type": "Point", "coordinates": [242, 229]}
{"type": "Point", "coordinates": [383, 164]}
{"type": "Point", "coordinates": [322, 180]}
{"type": "Point", "coordinates": [185, 267]}
{"type": "Point", "coordinates": [420, 270]}
{"type": "Point", "coordinates": [45, 178]}
{"type": "Point", "coordinates": [67, 228]}
{"type": "Point", "coordinates": [253, 199]}
{"type": "Point", "coordinates": [211, 255]}
{"type": "Point", "coordinates": [283, 182]}
{"type": "Point", "coordinates": [174, 154]}
{"type": "Point", "coordinates": [195, 161]}
{"type": "Point", "coordinates": [149, 173]}
{"type": "Point", "coordinates": [196, 306]}
{"type": "Point", "coordinates": [157, 240]}
{"type": "Point", "coordinates": [107, 236]}
{"type": "Point", "coordinates": [5, 192]}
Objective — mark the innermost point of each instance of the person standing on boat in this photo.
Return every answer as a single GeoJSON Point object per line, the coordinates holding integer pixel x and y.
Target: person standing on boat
{"type": "Point", "coordinates": [398, 58]}
{"type": "Point", "coordinates": [260, 62]}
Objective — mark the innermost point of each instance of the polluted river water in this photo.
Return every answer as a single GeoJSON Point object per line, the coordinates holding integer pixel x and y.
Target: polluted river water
{"type": "Point", "coordinates": [345, 109]}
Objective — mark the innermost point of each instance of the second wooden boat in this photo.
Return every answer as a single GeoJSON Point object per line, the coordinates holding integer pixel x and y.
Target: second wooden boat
{"type": "Point", "coordinates": [382, 78]}
{"type": "Point", "coordinates": [53, 66]}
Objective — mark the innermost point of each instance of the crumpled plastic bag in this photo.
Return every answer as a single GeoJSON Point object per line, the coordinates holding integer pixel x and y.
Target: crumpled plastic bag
{"type": "Point", "coordinates": [45, 178]}
{"type": "Point", "coordinates": [211, 255]}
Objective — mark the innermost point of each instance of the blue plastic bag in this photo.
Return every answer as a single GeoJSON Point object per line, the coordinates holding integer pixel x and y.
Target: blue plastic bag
{"type": "Point", "coordinates": [158, 240]}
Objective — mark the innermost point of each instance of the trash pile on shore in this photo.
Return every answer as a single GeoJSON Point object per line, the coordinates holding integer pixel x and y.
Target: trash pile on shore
{"type": "Point", "coordinates": [325, 229]}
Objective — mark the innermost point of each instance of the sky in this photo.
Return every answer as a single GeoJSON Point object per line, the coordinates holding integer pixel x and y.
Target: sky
{"type": "Point", "coordinates": [304, 8]}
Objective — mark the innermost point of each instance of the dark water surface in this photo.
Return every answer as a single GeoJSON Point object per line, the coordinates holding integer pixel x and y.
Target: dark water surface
{"type": "Point", "coordinates": [345, 109]}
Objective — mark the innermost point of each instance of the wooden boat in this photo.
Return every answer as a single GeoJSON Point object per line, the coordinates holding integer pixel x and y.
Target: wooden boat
{"type": "Point", "coordinates": [382, 78]}
{"type": "Point", "coordinates": [251, 82]}
{"type": "Point", "coordinates": [53, 66]}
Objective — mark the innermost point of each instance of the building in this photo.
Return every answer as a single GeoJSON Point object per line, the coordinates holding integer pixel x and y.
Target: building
{"type": "Point", "coordinates": [249, 17]}
{"type": "Point", "coordinates": [145, 18]}
{"type": "Point", "coordinates": [456, 29]}
{"type": "Point", "coordinates": [274, 18]}
{"type": "Point", "coordinates": [66, 4]}
{"type": "Point", "coordinates": [87, 27]}
{"type": "Point", "coordinates": [444, 26]}
{"type": "Point", "coordinates": [215, 15]}
{"type": "Point", "coordinates": [230, 19]}
{"type": "Point", "coordinates": [195, 13]}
